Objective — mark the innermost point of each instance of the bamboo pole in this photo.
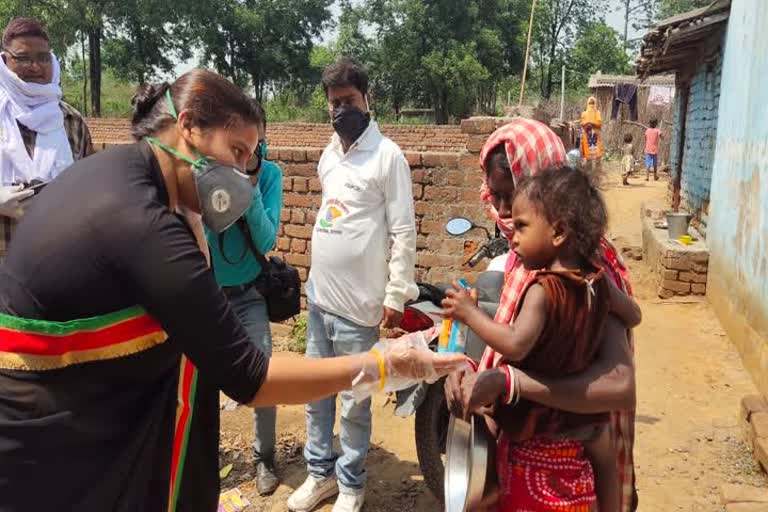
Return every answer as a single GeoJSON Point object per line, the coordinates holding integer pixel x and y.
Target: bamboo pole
{"type": "Point", "coordinates": [527, 53]}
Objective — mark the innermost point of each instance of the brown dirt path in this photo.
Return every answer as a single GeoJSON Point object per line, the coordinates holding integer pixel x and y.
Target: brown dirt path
{"type": "Point", "coordinates": [690, 381]}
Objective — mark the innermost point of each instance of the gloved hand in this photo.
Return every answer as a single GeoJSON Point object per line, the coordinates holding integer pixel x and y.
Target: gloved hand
{"type": "Point", "coordinates": [10, 200]}
{"type": "Point", "coordinates": [403, 362]}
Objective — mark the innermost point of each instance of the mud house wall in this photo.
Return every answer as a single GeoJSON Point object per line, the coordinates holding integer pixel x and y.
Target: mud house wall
{"type": "Point", "coordinates": [701, 124]}
{"type": "Point", "coordinates": [738, 220]}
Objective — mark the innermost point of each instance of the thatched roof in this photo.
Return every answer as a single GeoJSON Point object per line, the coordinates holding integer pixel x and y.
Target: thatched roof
{"type": "Point", "coordinates": [673, 42]}
{"type": "Point", "coordinates": [600, 80]}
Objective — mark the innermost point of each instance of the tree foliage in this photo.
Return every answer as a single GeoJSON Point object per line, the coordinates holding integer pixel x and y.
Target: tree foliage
{"type": "Point", "coordinates": [597, 48]}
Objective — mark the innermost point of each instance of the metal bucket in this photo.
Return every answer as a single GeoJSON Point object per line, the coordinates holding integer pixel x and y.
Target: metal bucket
{"type": "Point", "coordinates": [470, 459]}
{"type": "Point", "coordinates": [677, 224]}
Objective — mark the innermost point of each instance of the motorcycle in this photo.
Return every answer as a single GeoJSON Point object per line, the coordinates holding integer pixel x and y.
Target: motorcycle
{"type": "Point", "coordinates": [427, 401]}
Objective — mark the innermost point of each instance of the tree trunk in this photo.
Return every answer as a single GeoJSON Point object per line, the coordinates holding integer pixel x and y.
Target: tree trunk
{"type": "Point", "coordinates": [626, 22]}
{"type": "Point", "coordinates": [441, 105]}
{"type": "Point", "coordinates": [85, 74]}
{"type": "Point", "coordinates": [94, 49]}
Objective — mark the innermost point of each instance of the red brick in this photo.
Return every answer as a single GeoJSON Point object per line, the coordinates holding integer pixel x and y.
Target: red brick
{"type": "Point", "coordinates": [469, 195]}
{"type": "Point", "coordinates": [677, 263]}
{"type": "Point", "coordinates": [421, 242]}
{"type": "Point", "coordinates": [314, 185]}
{"type": "Point", "coordinates": [418, 191]}
{"type": "Point", "coordinates": [298, 217]}
{"type": "Point", "coordinates": [313, 155]}
{"type": "Point", "coordinates": [298, 155]}
{"type": "Point", "coordinates": [669, 274]}
{"type": "Point", "coordinates": [426, 259]}
{"type": "Point", "coordinates": [287, 184]}
{"type": "Point", "coordinates": [478, 125]}
{"type": "Point", "coordinates": [283, 243]}
{"type": "Point", "coordinates": [303, 200]}
{"type": "Point", "coordinates": [285, 215]}
{"type": "Point", "coordinates": [299, 246]}
{"type": "Point", "coordinates": [311, 217]}
{"type": "Point", "coordinates": [432, 227]}
{"type": "Point", "coordinates": [280, 230]}
{"type": "Point", "coordinates": [413, 158]}
{"type": "Point", "coordinates": [443, 194]}
{"type": "Point", "coordinates": [455, 178]}
{"type": "Point", "coordinates": [473, 179]}
{"type": "Point", "coordinates": [469, 162]}
{"type": "Point", "coordinates": [303, 274]}
{"type": "Point", "coordinates": [307, 170]}
{"type": "Point", "coordinates": [273, 153]}
{"type": "Point", "coordinates": [294, 231]}
{"type": "Point", "coordinates": [420, 207]}
{"type": "Point", "coordinates": [299, 260]}
{"type": "Point", "coordinates": [300, 185]}
{"type": "Point", "coordinates": [475, 143]}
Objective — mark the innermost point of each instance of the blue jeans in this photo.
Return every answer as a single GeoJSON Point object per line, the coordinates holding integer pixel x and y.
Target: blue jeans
{"type": "Point", "coordinates": [251, 309]}
{"type": "Point", "coordinates": [329, 335]}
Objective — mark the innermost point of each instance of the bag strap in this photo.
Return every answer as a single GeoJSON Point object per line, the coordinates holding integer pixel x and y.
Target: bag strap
{"type": "Point", "coordinates": [220, 238]}
{"type": "Point", "coordinates": [246, 231]}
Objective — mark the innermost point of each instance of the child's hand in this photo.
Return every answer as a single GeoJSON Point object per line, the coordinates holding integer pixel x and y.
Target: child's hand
{"type": "Point", "coordinates": [459, 303]}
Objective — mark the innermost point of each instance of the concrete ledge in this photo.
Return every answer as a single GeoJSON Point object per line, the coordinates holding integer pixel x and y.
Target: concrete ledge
{"type": "Point", "coordinates": [679, 269]}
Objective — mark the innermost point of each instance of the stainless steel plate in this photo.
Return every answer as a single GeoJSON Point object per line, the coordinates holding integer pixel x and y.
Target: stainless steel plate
{"type": "Point", "coordinates": [469, 449]}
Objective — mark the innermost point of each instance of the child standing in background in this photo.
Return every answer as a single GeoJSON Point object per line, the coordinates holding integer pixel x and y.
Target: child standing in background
{"type": "Point", "coordinates": [652, 137]}
{"type": "Point", "coordinates": [627, 159]}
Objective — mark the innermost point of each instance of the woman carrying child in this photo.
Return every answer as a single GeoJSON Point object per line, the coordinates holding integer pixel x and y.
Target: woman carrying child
{"type": "Point", "coordinates": [516, 151]}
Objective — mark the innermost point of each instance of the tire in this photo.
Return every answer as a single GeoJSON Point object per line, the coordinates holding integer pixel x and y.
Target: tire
{"type": "Point", "coordinates": [432, 418]}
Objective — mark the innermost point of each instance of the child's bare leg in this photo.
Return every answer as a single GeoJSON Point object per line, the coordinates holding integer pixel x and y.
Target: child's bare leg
{"type": "Point", "coordinates": [602, 455]}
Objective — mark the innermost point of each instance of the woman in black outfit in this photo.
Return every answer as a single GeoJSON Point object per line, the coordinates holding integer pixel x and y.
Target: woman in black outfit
{"type": "Point", "coordinates": [108, 310]}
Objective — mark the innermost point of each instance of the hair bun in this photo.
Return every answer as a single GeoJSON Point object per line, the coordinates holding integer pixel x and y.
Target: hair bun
{"type": "Point", "coordinates": [145, 99]}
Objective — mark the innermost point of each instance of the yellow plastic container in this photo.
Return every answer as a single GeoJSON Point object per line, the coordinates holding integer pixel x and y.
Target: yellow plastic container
{"type": "Point", "coordinates": [685, 239]}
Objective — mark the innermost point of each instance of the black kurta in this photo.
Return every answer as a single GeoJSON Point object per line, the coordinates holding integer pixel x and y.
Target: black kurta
{"type": "Point", "coordinates": [84, 429]}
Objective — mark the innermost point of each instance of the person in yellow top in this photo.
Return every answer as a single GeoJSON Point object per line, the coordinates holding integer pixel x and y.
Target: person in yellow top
{"type": "Point", "coordinates": [591, 136]}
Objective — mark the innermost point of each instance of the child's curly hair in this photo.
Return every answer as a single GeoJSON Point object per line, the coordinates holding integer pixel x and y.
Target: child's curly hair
{"type": "Point", "coordinates": [568, 196]}
{"type": "Point", "coordinates": [627, 138]}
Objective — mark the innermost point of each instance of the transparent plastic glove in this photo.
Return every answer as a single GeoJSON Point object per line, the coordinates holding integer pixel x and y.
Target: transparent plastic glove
{"type": "Point", "coordinates": [403, 362]}
{"type": "Point", "coordinates": [10, 200]}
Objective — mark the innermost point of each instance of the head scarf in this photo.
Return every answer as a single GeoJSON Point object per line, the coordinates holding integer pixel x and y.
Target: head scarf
{"type": "Point", "coordinates": [591, 115]}
{"type": "Point", "coordinates": [530, 147]}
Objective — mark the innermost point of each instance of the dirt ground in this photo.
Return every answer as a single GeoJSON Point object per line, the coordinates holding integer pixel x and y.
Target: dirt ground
{"type": "Point", "coordinates": [689, 380]}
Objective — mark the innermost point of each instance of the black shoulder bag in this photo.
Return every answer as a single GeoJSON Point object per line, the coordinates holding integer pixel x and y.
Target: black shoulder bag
{"type": "Point", "coordinates": [278, 282]}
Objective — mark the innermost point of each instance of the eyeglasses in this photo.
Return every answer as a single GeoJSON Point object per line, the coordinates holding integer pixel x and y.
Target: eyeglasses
{"type": "Point", "coordinates": [26, 61]}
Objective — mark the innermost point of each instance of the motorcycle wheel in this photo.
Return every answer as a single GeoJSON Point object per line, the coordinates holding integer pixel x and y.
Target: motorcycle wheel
{"type": "Point", "coordinates": [432, 418]}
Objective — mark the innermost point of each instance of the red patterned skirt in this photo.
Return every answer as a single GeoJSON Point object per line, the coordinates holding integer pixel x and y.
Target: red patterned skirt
{"type": "Point", "coordinates": [545, 475]}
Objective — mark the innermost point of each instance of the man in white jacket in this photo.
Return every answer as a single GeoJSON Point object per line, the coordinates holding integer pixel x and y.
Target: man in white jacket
{"type": "Point", "coordinates": [40, 135]}
{"type": "Point", "coordinates": [356, 284]}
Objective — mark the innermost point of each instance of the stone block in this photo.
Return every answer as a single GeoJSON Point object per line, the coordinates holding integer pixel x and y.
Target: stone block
{"type": "Point", "coordinates": [313, 155]}
{"type": "Point", "coordinates": [478, 125]}
{"type": "Point", "coordinates": [475, 143]}
{"type": "Point", "coordinates": [676, 286]}
{"type": "Point", "coordinates": [670, 274]}
{"type": "Point", "coordinates": [299, 155]}
{"type": "Point", "coordinates": [413, 158]}
{"type": "Point", "coordinates": [738, 493]}
{"type": "Point", "coordinates": [676, 263]}
{"type": "Point", "coordinates": [469, 162]}
{"type": "Point", "coordinates": [699, 289]}
{"type": "Point", "coordinates": [666, 294]}
{"type": "Point", "coordinates": [751, 404]}
{"type": "Point", "coordinates": [759, 422]}
{"type": "Point", "coordinates": [693, 277]}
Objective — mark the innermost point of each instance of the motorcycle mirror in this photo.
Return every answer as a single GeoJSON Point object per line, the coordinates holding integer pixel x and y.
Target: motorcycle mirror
{"type": "Point", "coordinates": [459, 226]}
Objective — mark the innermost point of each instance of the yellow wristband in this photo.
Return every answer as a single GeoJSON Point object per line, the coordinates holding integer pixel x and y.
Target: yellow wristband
{"type": "Point", "coordinates": [382, 369]}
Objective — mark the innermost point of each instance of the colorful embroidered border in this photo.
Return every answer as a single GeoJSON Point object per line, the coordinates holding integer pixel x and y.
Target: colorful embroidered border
{"type": "Point", "coordinates": [184, 410]}
{"type": "Point", "coordinates": [36, 345]}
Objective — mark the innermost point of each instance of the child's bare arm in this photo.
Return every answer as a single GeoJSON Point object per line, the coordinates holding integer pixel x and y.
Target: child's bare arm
{"type": "Point", "coordinates": [602, 456]}
{"type": "Point", "coordinates": [515, 341]}
{"type": "Point", "coordinates": [624, 306]}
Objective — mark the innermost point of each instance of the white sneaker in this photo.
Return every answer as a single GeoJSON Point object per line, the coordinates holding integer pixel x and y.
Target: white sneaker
{"type": "Point", "coordinates": [349, 503]}
{"type": "Point", "coordinates": [311, 493]}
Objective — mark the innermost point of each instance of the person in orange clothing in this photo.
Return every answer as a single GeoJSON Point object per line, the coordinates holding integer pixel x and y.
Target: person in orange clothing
{"type": "Point", "coordinates": [592, 137]}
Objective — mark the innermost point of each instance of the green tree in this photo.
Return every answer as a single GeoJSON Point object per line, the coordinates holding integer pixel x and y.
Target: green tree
{"type": "Point", "coordinates": [636, 13]}
{"type": "Point", "coordinates": [669, 8]}
{"type": "Point", "coordinates": [598, 48]}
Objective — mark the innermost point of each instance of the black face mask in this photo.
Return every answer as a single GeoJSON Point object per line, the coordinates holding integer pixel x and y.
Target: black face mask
{"type": "Point", "coordinates": [350, 122]}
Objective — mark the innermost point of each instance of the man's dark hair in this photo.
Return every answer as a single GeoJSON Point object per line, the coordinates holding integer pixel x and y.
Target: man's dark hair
{"type": "Point", "coordinates": [23, 27]}
{"type": "Point", "coordinates": [628, 138]}
{"type": "Point", "coordinates": [653, 123]}
{"type": "Point", "coordinates": [345, 72]}
{"type": "Point", "coordinates": [568, 196]}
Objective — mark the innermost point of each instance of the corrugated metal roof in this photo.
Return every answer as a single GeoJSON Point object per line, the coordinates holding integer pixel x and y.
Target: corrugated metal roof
{"type": "Point", "coordinates": [675, 41]}
{"type": "Point", "coordinates": [600, 80]}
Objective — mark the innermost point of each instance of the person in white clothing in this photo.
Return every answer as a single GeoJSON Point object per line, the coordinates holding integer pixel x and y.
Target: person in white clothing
{"type": "Point", "coordinates": [356, 284]}
{"type": "Point", "coordinates": [40, 135]}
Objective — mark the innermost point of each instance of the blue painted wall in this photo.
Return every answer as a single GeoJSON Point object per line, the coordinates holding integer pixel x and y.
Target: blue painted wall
{"type": "Point", "coordinates": [700, 137]}
{"type": "Point", "coordinates": [738, 219]}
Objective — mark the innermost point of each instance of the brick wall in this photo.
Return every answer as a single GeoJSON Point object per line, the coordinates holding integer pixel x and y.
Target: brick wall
{"type": "Point", "coordinates": [445, 184]}
{"type": "Point", "coordinates": [700, 139]}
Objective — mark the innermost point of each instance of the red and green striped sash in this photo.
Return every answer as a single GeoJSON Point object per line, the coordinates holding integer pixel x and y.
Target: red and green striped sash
{"type": "Point", "coordinates": [38, 345]}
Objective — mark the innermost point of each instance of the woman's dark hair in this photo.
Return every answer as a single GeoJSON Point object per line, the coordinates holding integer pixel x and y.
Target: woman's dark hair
{"type": "Point", "coordinates": [209, 99]}
{"type": "Point", "coordinates": [497, 156]}
{"type": "Point", "coordinates": [628, 138]}
{"type": "Point", "coordinates": [653, 123]}
{"type": "Point", "coordinates": [345, 72]}
{"type": "Point", "coordinates": [23, 27]}
{"type": "Point", "coordinates": [568, 196]}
